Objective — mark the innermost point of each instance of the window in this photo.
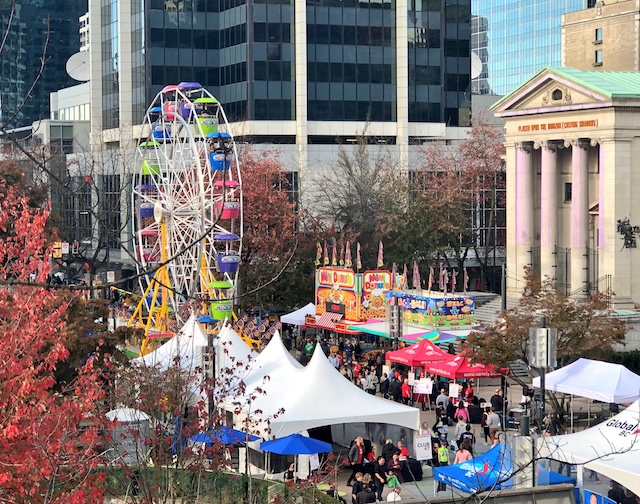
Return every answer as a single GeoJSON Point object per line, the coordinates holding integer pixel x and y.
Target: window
{"type": "Point", "coordinates": [598, 61]}
{"type": "Point", "coordinates": [598, 39]}
{"type": "Point", "coordinates": [568, 191]}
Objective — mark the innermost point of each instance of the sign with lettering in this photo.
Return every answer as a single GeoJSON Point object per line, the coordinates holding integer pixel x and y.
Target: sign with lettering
{"type": "Point", "coordinates": [422, 447]}
{"type": "Point", "coordinates": [374, 285]}
{"type": "Point", "coordinates": [558, 125]}
{"type": "Point", "coordinates": [337, 292]}
{"type": "Point", "coordinates": [434, 311]}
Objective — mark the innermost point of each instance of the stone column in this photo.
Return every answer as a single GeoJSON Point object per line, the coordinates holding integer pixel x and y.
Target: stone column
{"type": "Point", "coordinates": [579, 214]}
{"type": "Point", "coordinates": [524, 206]}
{"type": "Point", "coordinates": [548, 209]}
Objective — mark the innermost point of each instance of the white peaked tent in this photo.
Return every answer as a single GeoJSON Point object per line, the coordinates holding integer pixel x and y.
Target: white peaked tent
{"type": "Point", "coordinates": [231, 350]}
{"type": "Point", "coordinates": [272, 363]}
{"type": "Point", "coordinates": [184, 349]}
{"type": "Point", "coordinates": [611, 448]}
{"type": "Point", "coordinates": [318, 395]}
{"type": "Point", "coordinates": [297, 317]}
{"type": "Point", "coordinates": [601, 381]}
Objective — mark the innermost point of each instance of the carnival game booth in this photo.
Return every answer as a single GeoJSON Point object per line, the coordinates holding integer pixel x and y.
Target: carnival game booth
{"type": "Point", "coordinates": [611, 448]}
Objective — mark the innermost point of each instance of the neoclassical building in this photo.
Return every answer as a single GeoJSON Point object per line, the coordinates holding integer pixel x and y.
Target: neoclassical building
{"type": "Point", "coordinates": [573, 194]}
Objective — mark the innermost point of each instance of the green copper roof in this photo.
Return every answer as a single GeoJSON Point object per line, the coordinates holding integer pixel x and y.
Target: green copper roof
{"type": "Point", "coordinates": [606, 83]}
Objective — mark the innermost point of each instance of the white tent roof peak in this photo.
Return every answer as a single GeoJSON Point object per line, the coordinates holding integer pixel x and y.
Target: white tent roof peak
{"type": "Point", "coordinates": [601, 381]}
{"type": "Point", "coordinates": [185, 347]}
{"type": "Point", "coordinates": [276, 351]}
{"type": "Point", "coordinates": [297, 317]}
{"type": "Point", "coordinates": [611, 448]}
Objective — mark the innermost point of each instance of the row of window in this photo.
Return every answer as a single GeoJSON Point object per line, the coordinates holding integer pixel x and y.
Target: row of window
{"type": "Point", "coordinates": [376, 111]}
{"type": "Point", "coordinates": [273, 71]}
{"type": "Point", "coordinates": [350, 35]}
{"type": "Point", "coordinates": [350, 72]}
{"type": "Point", "coordinates": [195, 5]}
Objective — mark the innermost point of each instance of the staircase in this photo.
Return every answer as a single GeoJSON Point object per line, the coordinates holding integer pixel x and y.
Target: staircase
{"type": "Point", "coordinates": [488, 312]}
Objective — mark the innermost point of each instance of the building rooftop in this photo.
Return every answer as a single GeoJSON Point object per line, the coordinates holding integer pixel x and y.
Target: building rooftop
{"type": "Point", "coordinates": [611, 84]}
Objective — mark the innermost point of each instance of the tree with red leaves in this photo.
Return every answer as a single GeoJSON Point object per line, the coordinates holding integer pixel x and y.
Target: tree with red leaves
{"type": "Point", "coordinates": [48, 438]}
{"type": "Point", "coordinates": [270, 225]}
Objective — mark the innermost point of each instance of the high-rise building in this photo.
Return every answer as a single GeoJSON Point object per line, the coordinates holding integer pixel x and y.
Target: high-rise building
{"type": "Point", "coordinates": [515, 39]}
{"type": "Point", "coordinates": [37, 30]}
{"type": "Point", "coordinates": [295, 73]}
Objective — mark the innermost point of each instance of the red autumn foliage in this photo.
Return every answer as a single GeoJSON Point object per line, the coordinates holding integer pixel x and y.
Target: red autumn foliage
{"type": "Point", "coordinates": [47, 438]}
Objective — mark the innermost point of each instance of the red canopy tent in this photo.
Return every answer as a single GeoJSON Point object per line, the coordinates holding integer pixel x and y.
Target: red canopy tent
{"type": "Point", "coordinates": [419, 354]}
{"type": "Point", "coordinates": [457, 367]}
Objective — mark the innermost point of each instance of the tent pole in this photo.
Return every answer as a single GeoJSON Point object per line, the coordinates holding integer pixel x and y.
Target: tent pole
{"type": "Point", "coordinates": [571, 407]}
{"type": "Point", "coordinates": [588, 412]}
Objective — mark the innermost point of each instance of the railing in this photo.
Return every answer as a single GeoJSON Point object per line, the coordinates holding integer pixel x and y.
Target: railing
{"type": "Point", "coordinates": [602, 284]}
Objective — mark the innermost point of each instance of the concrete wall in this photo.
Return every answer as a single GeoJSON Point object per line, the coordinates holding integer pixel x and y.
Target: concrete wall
{"type": "Point", "coordinates": [619, 45]}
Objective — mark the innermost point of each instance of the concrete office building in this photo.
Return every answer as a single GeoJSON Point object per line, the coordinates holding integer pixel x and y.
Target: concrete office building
{"type": "Point", "coordinates": [604, 37]}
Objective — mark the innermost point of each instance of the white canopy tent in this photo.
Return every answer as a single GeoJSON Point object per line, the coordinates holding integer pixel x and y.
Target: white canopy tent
{"type": "Point", "coordinates": [297, 317]}
{"type": "Point", "coordinates": [231, 352]}
{"type": "Point", "coordinates": [185, 349]}
{"type": "Point", "coordinates": [601, 381]}
{"type": "Point", "coordinates": [318, 395]}
{"type": "Point", "coordinates": [611, 448]}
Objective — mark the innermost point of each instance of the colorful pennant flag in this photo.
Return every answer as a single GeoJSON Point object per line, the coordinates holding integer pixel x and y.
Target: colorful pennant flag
{"type": "Point", "coordinates": [465, 279]}
{"type": "Point", "coordinates": [318, 253]}
{"type": "Point", "coordinates": [403, 279]}
{"type": "Point", "coordinates": [325, 260]}
{"type": "Point", "coordinates": [445, 280]}
{"type": "Point", "coordinates": [358, 259]}
{"type": "Point", "coordinates": [341, 261]}
{"type": "Point", "coordinates": [334, 253]}
{"type": "Point", "coordinates": [394, 274]}
{"type": "Point", "coordinates": [380, 262]}
{"type": "Point", "coordinates": [430, 278]}
{"type": "Point", "coordinates": [347, 256]}
{"type": "Point", "coordinates": [454, 276]}
{"type": "Point", "coordinates": [416, 275]}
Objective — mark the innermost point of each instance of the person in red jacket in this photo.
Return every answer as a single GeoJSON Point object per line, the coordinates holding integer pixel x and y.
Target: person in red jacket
{"type": "Point", "coordinates": [406, 391]}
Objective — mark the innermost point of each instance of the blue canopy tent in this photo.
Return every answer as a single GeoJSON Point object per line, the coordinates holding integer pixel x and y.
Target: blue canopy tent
{"type": "Point", "coordinates": [547, 477]}
{"type": "Point", "coordinates": [492, 469]}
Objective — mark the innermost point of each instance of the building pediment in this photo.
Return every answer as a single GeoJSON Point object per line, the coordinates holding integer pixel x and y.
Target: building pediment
{"type": "Point", "coordinates": [548, 92]}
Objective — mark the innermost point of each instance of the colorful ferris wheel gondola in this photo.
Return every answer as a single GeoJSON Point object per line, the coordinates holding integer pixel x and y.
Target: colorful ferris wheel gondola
{"type": "Point", "coordinates": [187, 201]}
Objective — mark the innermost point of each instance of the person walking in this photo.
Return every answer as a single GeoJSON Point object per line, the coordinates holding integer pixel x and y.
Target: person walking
{"type": "Point", "coordinates": [384, 386]}
{"type": "Point", "coordinates": [356, 458]}
{"type": "Point", "coordinates": [464, 453]}
{"type": "Point", "coordinates": [443, 460]}
{"type": "Point", "coordinates": [406, 391]}
{"type": "Point", "coordinates": [380, 476]}
{"type": "Point", "coordinates": [485, 424]}
{"type": "Point", "coordinates": [494, 427]}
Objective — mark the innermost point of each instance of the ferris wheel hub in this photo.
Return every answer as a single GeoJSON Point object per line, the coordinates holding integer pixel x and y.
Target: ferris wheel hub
{"type": "Point", "coordinates": [159, 212]}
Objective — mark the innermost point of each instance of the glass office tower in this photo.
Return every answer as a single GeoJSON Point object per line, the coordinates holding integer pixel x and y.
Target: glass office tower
{"type": "Point", "coordinates": [515, 39]}
{"type": "Point", "coordinates": [245, 52]}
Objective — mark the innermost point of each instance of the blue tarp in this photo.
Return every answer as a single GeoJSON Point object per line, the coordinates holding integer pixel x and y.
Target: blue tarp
{"type": "Point", "coordinates": [547, 477]}
{"type": "Point", "coordinates": [492, 469]}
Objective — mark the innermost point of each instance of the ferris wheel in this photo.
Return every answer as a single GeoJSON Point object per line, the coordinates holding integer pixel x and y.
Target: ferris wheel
{"type": "Point", "coordinates": [187, 211]}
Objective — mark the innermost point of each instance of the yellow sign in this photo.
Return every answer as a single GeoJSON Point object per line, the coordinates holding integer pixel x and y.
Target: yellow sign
{"type": "Point", "coordinates": [337, 277]}
{"type": "Point", "coordinates": [560, 125]}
